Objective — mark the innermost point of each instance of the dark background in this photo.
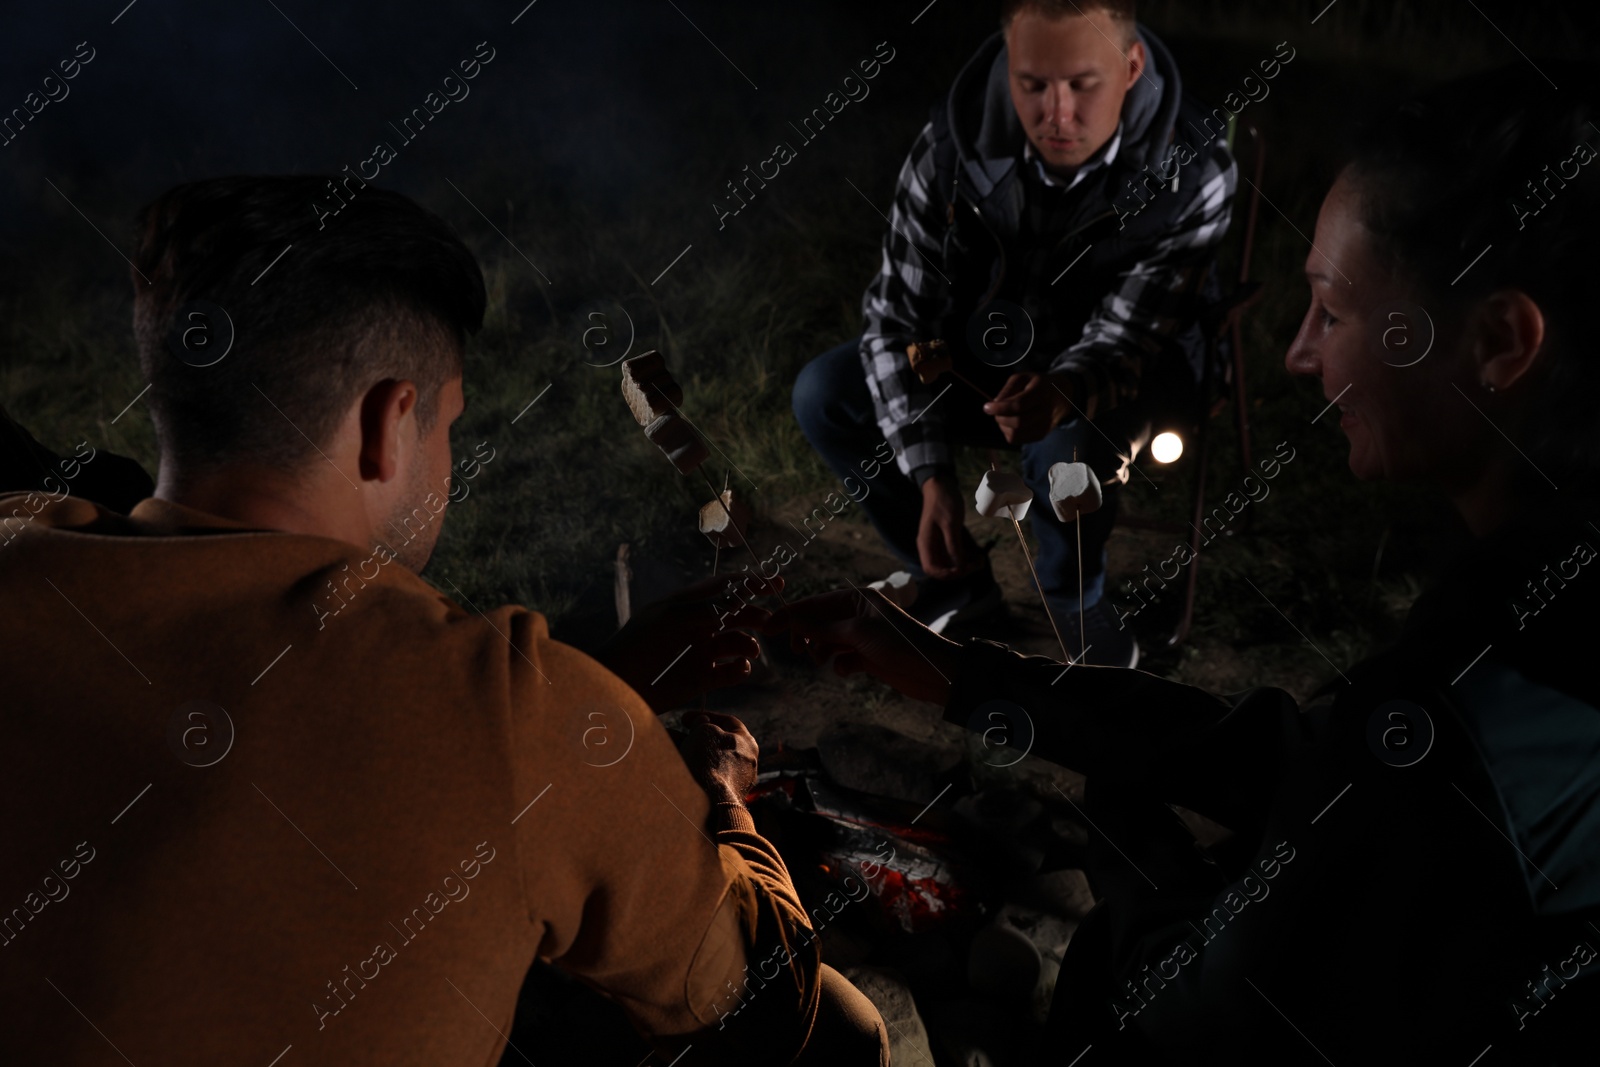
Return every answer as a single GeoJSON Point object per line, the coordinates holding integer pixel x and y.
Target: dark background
{"type": "Point", "coordinates": [602, 100]}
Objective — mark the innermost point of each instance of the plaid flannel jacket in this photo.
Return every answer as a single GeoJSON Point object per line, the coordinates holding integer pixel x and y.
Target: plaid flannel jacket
{"type": "Point", "coordinates": [1136, 319]}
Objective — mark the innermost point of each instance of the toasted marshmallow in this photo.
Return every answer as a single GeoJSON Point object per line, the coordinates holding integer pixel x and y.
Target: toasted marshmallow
{"type": "Point", "coordinates": [649, 387]}
{"type": "Point", "coordinates": [678, 440]}
{"type": "Point", "coordinates": [725, 519]}
{"type": "Point", "coordinates": [930, 359]}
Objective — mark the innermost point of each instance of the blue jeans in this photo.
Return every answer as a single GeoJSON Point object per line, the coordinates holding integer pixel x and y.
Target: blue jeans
{"type": "Point", "coordinates": [835, 411]}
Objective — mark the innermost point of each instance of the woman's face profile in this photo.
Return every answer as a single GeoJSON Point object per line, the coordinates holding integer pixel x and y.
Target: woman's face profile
{"type": "Point", "coordinates": [1392, 367]}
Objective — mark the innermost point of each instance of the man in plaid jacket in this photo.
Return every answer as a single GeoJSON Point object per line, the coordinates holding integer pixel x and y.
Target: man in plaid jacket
{"type": "Point", "coordinates": [1052, 225]}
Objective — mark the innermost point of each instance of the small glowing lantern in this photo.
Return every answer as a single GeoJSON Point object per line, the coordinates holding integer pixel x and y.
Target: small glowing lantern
{"type": "Point", "coordinates": [1167, 447]}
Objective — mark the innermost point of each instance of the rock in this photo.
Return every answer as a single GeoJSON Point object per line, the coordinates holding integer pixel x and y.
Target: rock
{"type": "Point", "coordinates": [842, 949]}
{"type": "Point", "coordinates": [1003, 964]}
{"type": "Point", "coordinates": [1005, 821]}
{"type": "Point", "coordinates": [998, 811]}
{"type": "Point", "coordinates": [876, 759]}
{"type": "Point", "coordinates": [976, 1033]}
{"type": "Point", "coordinates": [1061, 893]}
{"type": "Point", "coordinates": [1207, 833]}
{"type": "Point", "coordinates": [1050, 935]}
{"type": "Point", "coordinates": [908, 1037]}
{"type": "Point", "coordinates": [1044, 999]}
{"type": "Point", "coordinates": [1052, 784]}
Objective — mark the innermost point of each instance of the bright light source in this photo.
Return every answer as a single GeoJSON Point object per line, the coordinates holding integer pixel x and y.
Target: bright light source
{"type": "Point", "coordinates": [1166, 447]}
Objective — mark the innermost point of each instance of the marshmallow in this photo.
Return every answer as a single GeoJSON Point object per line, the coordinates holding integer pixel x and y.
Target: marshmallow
{"type": "Point", "coordinates": [1074, 490]}
{"type": "Point", "coordinates": [1003, 494]}
{"type": "Point", "coordinates": [724, 520]}
{"type": "Point", "coordinates": [649, 388]}
{"type": "Point", "coordinates": [678, 440]}
{"type": "Point", "coordinates": [930, 359]}
{"type": "Point", "coordinates": [899, 589]}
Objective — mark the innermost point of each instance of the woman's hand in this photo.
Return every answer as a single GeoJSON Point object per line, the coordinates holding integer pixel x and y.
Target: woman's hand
{"type": "Point", "coordinates": [868, 633]}
{"type": "Point", "coordinates": [703, 625]}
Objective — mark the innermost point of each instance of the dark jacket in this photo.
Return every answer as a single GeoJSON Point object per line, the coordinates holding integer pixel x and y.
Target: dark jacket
{"type": "Point", "coordinates": [1415, 869]}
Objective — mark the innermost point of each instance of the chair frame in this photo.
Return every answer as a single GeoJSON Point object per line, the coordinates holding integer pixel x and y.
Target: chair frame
{"type": "Point", "coordinates": [1219, 321]}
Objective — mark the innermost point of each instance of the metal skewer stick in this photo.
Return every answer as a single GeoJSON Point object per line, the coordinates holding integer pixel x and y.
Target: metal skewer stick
{"type": "Point", "coordinates": [969, 385]}
{"type": "Point", "coordinates": [1047, 612]}
{"type": "Point", "coordinates": [1077, 526]}
{"type": "Point", "coordinates": [716, 557]}
{"type": "Point", "coordinates": [922, 358]}
{"type": "Point", "coordinates": [718, 498]}
{"type": "Point", "coordinates": [1043, 600]}
{"type": "Point", "coordinates": [1083, 650]}
{"type": "Point", "coordinates": [716, 562]}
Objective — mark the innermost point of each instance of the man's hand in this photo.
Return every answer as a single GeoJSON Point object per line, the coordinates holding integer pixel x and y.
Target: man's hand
{"type": "Point", "coordinates": [945, 547]}
{"type": "Point", "coordinates": [1030, 405]}
{"type": "Point", "coordinates": [718, 655]}
{"type": "Point", "coordinates": [868, 633]}
{"type": "Point", "coordinates": [721, 755]}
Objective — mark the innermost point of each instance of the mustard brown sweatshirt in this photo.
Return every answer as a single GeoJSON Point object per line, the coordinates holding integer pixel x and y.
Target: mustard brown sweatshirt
{"type": "Point", "coordinates": [398, 806]}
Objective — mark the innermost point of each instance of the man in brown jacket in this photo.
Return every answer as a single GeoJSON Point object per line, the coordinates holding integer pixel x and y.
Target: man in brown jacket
{"type": "Point", "coordinates": [274, 799]}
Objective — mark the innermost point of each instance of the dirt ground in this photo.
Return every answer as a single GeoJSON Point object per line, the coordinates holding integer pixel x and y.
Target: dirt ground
{"type": "Point", "coordinates": [794, 704]}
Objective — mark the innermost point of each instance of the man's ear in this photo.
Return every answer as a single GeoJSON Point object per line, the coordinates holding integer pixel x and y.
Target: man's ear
{"type": "Point", "coordinates": [1136, 61]}
{"type": "Point", "coordinates": [388, 410]}
{"type": "Point", "coordinates": [1508, 337]}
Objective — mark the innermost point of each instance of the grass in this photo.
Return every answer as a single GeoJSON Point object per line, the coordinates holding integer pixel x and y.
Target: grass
{"type": "Point", "coordinates": [740, 314]}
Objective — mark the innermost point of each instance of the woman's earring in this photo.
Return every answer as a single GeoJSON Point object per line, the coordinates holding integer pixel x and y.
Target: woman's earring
{"type": "Point", "coordinates": [1489, 386]}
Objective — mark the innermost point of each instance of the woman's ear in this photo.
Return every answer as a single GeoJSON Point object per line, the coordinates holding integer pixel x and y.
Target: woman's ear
{"type": "Point", "coordinates": [1508, 330]}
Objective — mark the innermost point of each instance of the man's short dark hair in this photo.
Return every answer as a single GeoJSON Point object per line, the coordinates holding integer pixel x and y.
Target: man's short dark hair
{"type": "Point", "coordinates": [322, 306]}
{"type": "Point", "coordinates": [1120, 10]}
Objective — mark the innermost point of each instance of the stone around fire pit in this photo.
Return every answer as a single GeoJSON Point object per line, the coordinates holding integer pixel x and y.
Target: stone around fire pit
{"type": "Point", "coordinates": [908, 1037]}
{"type": "Point", "coordinates": [876, 759]}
